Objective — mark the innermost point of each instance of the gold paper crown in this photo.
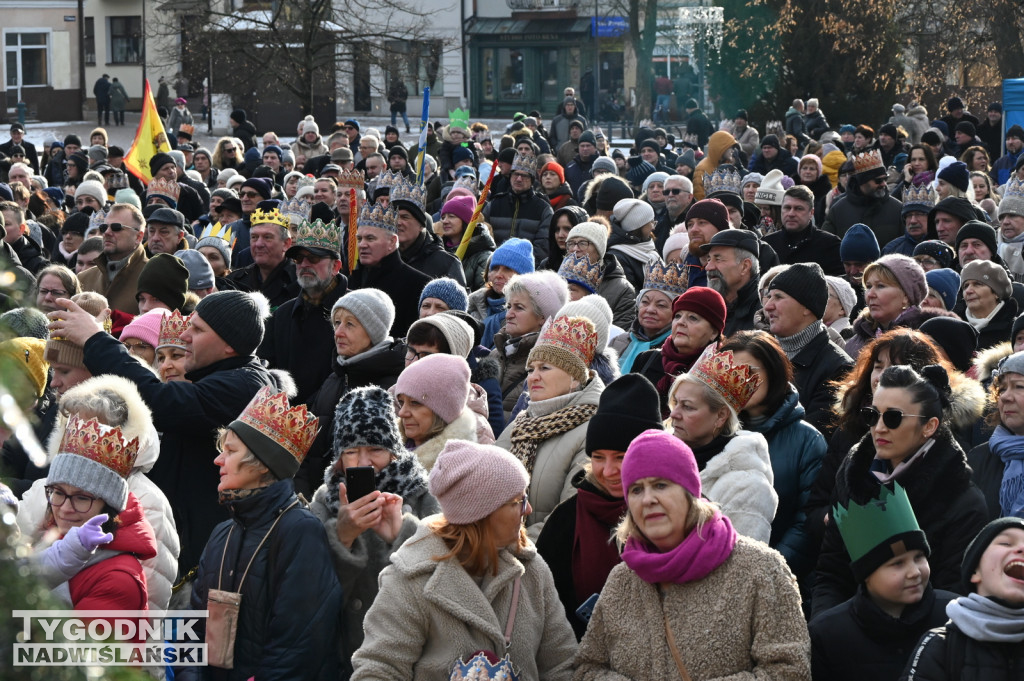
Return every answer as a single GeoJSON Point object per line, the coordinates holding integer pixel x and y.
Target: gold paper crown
{"type": "Point", "coordinates": [375, 215]}
{"type": "Point", "coordinates": [100, 443]}
{"type": "Point", "coordinates": [868, 160]}
{"type": "Point", "coordinates": [351, 179]}
{"type": "Point", "coordinates": [577, 269]}
{"type": "Point", "coordinates": [171, 328]}
{"type": "Point", "coordinates": [575, 335]}
{"type": "Point", "coordinates": [525, 164]}
{"type": "Point", "coordinates": [317, 234]}
{"type": "Point", "coordinates": [923, 196]}
{"type": "Point", "coordinates": [736, 383]}
{"type": "Point", "coordinates": [296, 210]}
{"type": "Point", "coordinates": [410, 192]}
{"type": "Point", "coordinates": [217, 231]}
{"type": "Point", "coordinates": [272, 217]}
{"type": "Point", "coordinates": [724, 179]}
{"type": "Point", "coordinates": [672, 279]}
{"type": "Point", "coordinates": [292, 428]}
{"type": "Point", "coordinates": [162, 187]}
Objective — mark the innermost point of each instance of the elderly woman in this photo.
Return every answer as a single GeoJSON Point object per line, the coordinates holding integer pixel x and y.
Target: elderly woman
{"type": "Point", "coordinates": [590, 239]}
{"type": "Point", "coordinates": [988, 304]}
{"type": "Point", "coordinates": [549, 436]}
{"type": "Point", "coordinates": [698, 319]}
{"type": "Point", "coordinates": [653, 316]}
{"type": "Point", "coordinates": [456, 214]}
{"type": "Point", "coordinates": [908, 442]}
{"type": "Point", "coordinates": [488, 304]}
{"type": "Point", "coordinates": [432, 401]}
{"type": "Point", "coordinates": [468, 585]}
{"type": "Point", "coordinates": [272, 554]}
{"type": "Point", "coordinates": [53, 282]}
{"type": "Point", "coordinates": [682, 556]}
{"type": "Point", "coordinates": [442, 294]}
{"type": "Point", "coordinates": [631, 239]}
{"type": "Point", "coordinates": [894, 288]}
{"type": "Point", "coordinates": [998, 465]}
{"type": "Point", "coordinates": [363, 533]}
{"type": "Point", "coordinates": [574, 541]}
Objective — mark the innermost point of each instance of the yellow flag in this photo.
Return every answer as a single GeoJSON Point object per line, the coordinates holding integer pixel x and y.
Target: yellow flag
{"type": "Point", "coordinates": [150, 139]}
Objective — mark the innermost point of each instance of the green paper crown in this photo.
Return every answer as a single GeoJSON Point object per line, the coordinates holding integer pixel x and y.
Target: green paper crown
{"type": "Point", "coordinates": [865, 527]}
{"type": "Point", "coordinates": [317, 234]}
{"type": "Point", "coordinates": [458, 119]}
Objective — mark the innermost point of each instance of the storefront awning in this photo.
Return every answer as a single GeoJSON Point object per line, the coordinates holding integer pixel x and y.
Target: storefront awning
{"type": "Point", "coordinates": [526, 30]}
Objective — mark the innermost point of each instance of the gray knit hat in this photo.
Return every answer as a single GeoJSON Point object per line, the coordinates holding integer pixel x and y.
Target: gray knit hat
{"type": "Point", "coordinates": [365, 417]}
{"type": "Point", "coordinates": [373, 308]}
{"type": "Point", "coordinates": [457, 332]}
{"type": "Point", "coordinates": [23, 322]}
{"type": "Point", "coordinates": [86, 462]}
{"type": "Point", "coordinates": [236, 317]}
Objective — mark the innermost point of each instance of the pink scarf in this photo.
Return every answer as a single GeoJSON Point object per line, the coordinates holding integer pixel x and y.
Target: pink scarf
{"type": "Point", "coordinates": [692, 560]}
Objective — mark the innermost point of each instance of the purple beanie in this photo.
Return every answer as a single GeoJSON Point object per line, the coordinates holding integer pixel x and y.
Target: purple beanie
{"type": "Point", "coordinates": [909, 275]}
{"type": "Point", "coordinates": [439, 382]}
{"type": "Point", "coordinates": [145, 327]}
{"type": "Point", "coordinates": [461, 207]}
{"type": "Point", "coordinates": [472, 481]}
{"type": "Point", "coordinates": [657, 454]}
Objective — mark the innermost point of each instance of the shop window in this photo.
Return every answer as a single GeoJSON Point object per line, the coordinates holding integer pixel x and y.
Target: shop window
{"type": "Point", "coordinates": [125, 36]}
{"type": "Point", "coordinates": [418, 65]}
{"type": "Point", "coordinates": [89, 40]}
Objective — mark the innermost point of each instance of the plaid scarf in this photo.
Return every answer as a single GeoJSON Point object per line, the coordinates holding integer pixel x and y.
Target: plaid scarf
{"type": "Point", "coordinates": [529, 432]}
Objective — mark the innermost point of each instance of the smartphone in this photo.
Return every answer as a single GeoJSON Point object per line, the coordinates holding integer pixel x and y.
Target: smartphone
{"type": "Point", "coordinates": [586, 611]}
{"type": "Point", "coordinates": [359, 481]}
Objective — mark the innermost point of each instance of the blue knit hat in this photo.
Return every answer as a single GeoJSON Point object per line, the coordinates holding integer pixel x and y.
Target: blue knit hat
{"type": "Point", "coordinates": [946, 283]}
{"type": "Point", "coordinates": [446, 289]}
{"type": "Point", "coordinates": [847, 128]}
{"type": "Point", "coordinates": [859, 245]}
{"type": "Point", "coordinates": [515, 254]}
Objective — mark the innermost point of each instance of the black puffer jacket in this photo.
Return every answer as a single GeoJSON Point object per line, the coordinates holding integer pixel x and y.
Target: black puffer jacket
{"type": "Point", "coordinates": [427, 255]}
{"type": "Point", "coordinates": [402, 283]}
{"type": "Point", "coordinates": [526, 215]}
{"type": "Point", "coordinates": [977, 660]}
{"type": "Point", "coordinates": [289, 617]}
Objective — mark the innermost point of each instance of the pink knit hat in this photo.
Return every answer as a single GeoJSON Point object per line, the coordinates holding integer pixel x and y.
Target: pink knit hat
{"type": "Point", "coordinates": [146, 327]}
{"type": "Point", "coordinates": [657, 454]}
{"type": "Point", "coordinates": [548, 290]}
{"type": "Point", "coordinates": [461, 207]}
{"type": "Point", "coordinates": [472, 481]}
{"type": "Point", "coordinates": [440, 382]}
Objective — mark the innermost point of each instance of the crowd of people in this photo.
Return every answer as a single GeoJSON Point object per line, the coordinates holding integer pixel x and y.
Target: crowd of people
{"type": "Point", "coordinates": [522, 403]}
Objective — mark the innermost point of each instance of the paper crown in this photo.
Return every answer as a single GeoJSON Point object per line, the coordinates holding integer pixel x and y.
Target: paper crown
{"type": "Point", "coordinates": [95, 220]}
{"type": "Point", "coordinates": [290, 431]}
{"type": "Point", "coordinates": [218, 231]}
{"type": "Point", "coordinates": [525, 164]}
{"type": "Point", "coordinates": [162, 187]}
{"type": "Point", "coordinates": [1012, 202]}
{"type": "Point", "coordinates": [187, 129]}
{"type": "Point", "coordinates": [272, 217]}
{"type": "Point", "coordinates": [481, 667]}
{"type": "Point", "coordinates": [724, 179]}
{"type": "Point", "coordinates": [736, 383]}
{"type": "Point", "coordinates": [305, 181]}
{"type": "Point", "coordinates": [375, 215]}
{"type": "Point", "coordinates": [868, 160]}
{"type": "Point", "coordinates": [923, 196]}
{"type": "Point", "coordinates": [296, 210]}
{"type": "Point", "coordinates": [351, 179]}
{"type": "Point", "coordinates": [386, 180]}
{"type": "Point", "coordinates": [672, 279]}
{"type": "Point", "coordinates": [864, 527]}
{"type": "Point", "coordinates": [468, 182]}
{"type": "Point", "coordinates": [577, 269]}
{"type": "Point", "coordinates": [576, 335]}
{"type": "Point", "coordinates": [410, 192]}
{"type": "Point", "coordinates": [317, 234]}
{"type": "Point", "coordinates": [459, 120]}
{"type": "Point", "coordinates": [100, 443]}
{"type": "Point", "coordinates": [171, 328]}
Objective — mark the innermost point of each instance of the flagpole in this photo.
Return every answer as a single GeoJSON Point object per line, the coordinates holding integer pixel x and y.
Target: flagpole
{"type": "Point", "coordinates": [467, 234]}
{"type": "Point", "coordinates": [423, 135]}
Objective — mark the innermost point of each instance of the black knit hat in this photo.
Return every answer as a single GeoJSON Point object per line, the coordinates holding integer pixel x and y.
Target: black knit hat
{"type": "Point", "coordinates": [158, 161]}
{"type": "Point", "coordinates": [1015, 131]}
{"type": "Point", "coordinates": [236, 317]}
{"type": "Point", "coordinates": [940, 250]}
{"type": "Point", "coordinates": [956, 337]}
{"type": "Point", "coordinates": [976, 229]}
{"type": "Point", "coordinates": [611, 191]}
{"type": "Point", "coordinates": [165, 278]}
{"type": "Point", "coordinates": [952, 205]}
{"type": "Point", "coordinates": [398, 150]}
{"type": "Point", "coordinates": [805, 283]}
{"type": "Point", "coordinates": [628, 406]}
{"type": "Point", "coordinates": [76, 223]}
{"type": "Point", "coordinates": [972, 556]}
{"type": "Point", "coordinates": [652, 143]}
{"type": "Point", "coordinates": [1018, 326]}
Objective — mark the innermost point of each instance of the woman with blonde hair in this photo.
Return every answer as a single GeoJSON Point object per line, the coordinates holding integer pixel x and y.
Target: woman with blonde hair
{"type": "Point", "coordinates": [227, 154]}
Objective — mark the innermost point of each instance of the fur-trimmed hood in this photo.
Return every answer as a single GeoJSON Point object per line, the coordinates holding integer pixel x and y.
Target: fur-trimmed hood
{"type": "Point", "coordinates": [464, 427]}
{"type": "Point", "coordinates": [986, 361]}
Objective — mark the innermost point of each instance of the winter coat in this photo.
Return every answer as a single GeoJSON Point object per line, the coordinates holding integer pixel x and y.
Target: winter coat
{"type": "Point", "coordinates": [977, 660]}
{"type": "Point", "coordinates": [30, 254]}
{"type": "Point", "coordinates": [280, 286]}
{"type": "Point", "coordinates": [796, 450]}
{"type": "Point", "coordinates": [740, 312]}
{"type": "Point", "coordinates": [478, 254]}
{"type": "Point", "coordinates": [427, 255]}
{"type": "Point", "coordinates": [632, 268]}
{"type": "Point", "coordinates": [987, 475]}
{"type": "Point", "coordinates": [629, 346]}
{"type": "Point", "coordinates": [464, 427]}
{"type": "Point", "coordinates": [815, 124]}
{"type": "Point", "coordinates": [578, 172]}
{"type": "Point", "coordinates": [559, 132]}
{"type": "Point", "coordinates": [359, 566]}
{"type": "Point", "coordinates": [616, 289]}
{"type": "Point", "coordinates": [949, 509]}
{"type": "Point", "coordinates": [815, 367]}
{"type": "Point", "coordinates": [118, 96]}
{"type": "Point", "coordinates": [402, 283]}
{"type": "Point", "coordinates": [31, 156]}
{"type": "Point", "coordinates": [177, 118]}
{"type": "Point", "coordinates": [1003, 168]}
{"type": "Point", "coordinates": [430, 613]}
{"type": "Point", "coordinates": [309, 149]}
{"type": "Point", "coordinates": [749, 140]}
{"type": "Point", "coordinates": [288, 622]}
{"type": "Point", "coordinates": [749, 624]}
{"type": "Point", "coordinates": [120, 292]}
{"type": "Point", "coordinates": [697, 123]}
{"type": "Point", "coordinates": [857, 640]}
{"type": "Point", "coordinates": [246, 132]}
{"type": "Point", "coordinates": [513, 368]}
{"type": "Point", "coordinates": [739, 478]}
{"type": "Point", "coordinates": [999, 327]}
{"type": "Point", "coordinates": [810, 245]}
{"type": "Point", "coordinates": [559, 458]}
{"type": "Point", "coordinates": [883, 216]}
{"type": "Point", "coordinates": [526, 215]}
{"type": "Point", "coordinates": [783, 161]}
{"type": "Point", "coordinates": [717, 145]}
{"type": "Point", "coordinates": [865, 330]}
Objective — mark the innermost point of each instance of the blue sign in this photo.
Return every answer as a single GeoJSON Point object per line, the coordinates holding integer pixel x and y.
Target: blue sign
{"type": "Point", "coordinates": [608, 27]}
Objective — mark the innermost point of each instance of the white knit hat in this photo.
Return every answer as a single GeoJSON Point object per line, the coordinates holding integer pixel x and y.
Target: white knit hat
{"type": "Point", "coordinates": [592, 232]}
{"type": "Point", "coordinates": [771, 190]}
{"type": "Point", "coordinates": [843, 290]}
{"type": "Point", "coordinates": [633, 214]}
{"type": "Point", "coordinates": [457, 332]}
{"type": "Point", "coordinates": [93, 189]}
{"type": "Point", "coordinates": [596, 309]}
{"type": "Point", "coordinates": [676, 241]}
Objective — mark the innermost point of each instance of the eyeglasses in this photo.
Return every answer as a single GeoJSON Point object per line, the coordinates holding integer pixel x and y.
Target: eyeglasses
{"type": "Point", "coordinates": [55, 292]}
{"type": "Point", "coordinates": [413, 356]}
{"type": "Point", "coordinates": [249, 195]}
{"type": "Point", "coordinates": [925, 260]}
{"type": "Point", "coordinates": [675, 192]}
{"type": "Point", "coordinates": [80, 503]}
{"type": "Point", "coordinates": [522, 176]}
{"type": "Point", "coordinates": [892, 418]}
{"type": "Point", "coordinates": [115, 227]}
{"type": "Point", "coordinates": [577, 243]}
{"type": "Point", "coordinates": [307, 257]}
{"type": "Point", "coordinates": [137, 346]}
{"type": "Point", "coordinates": [522, 503]}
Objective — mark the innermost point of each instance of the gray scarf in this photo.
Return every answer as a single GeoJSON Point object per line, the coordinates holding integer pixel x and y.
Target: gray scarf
{"type": "Point", "coordinates": [983, 619]}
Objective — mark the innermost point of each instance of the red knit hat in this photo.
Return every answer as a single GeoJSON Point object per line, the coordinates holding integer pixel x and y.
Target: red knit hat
{"type": "Point", "coordinates": [555, 168]}
{"type": "Point", "coordinates": [706, 302]}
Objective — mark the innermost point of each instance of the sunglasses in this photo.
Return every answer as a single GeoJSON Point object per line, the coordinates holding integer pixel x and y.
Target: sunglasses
{"type": "Point", "coordinates": [674, 192]}
{"type": "Point", "coordinates": [892, 418]}
{"type": "Point", "coordinates": [249, 195]}
{"type": "Point", "coordinates": [307, 257]}
{"type": "Point", "coordinates": [115, 227]}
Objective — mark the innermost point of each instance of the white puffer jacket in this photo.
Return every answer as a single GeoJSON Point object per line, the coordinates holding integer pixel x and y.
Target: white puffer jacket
{"type": "Point", "coordinates": [740, 480]}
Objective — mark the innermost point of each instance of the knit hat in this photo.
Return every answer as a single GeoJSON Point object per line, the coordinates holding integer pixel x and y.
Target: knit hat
{"type": "Point", "coordinates": [751, 178]}
{"type": "Point", "coordinates": [554, 167]}
{"type": "Point", "coordinates": [946, 283]}
{"type": "Point", "coordinates": [261, 184]}
{"type": "Point", "coordinates": [28, 356]}
{"type": "Point", "coordinates": [470, 481]}
{"type": "Point", "coordinates": [597, 310]}
{"type": "Point", "coordinates": [95, 458]}
{"type": "Point", "coordinates": [593, 232]}
{"type": "Point", "coordinates": [127, 195]}
{"type": "Point", "coordinates": [24, 322]}
{"type": "Point", "coordinates": [439, 382]}
{"type": "Point", "coordinates": [461, 207]}
{"type": "Point", "coordinates": [845, 293]}
{"type": "Point", "coordinates": [546, 289]}
{"type": "Point", "coordinates": [603, 164]}
{"type": "Point", "coordinates": [372, 307]}
{"type": "Point", "coordinates": [859, 245]}
{"type": "Point", "coordinates": [94, 189]}
{"type": "Point", "coordinates": [813, 158]}
{"type": "Point", "coordinates": [956, 174]}
{"type": "Point", "coordinates": [909, 275]}
{"type": "Point", "coordinates": [515, 254]}
{"type": "Point", "coordinates": [990, 274]}
{"type": "Point", "coordinates": [976, 229]}
{"type": "Point", "coordinates": [456, 332]}
{"type": "Point", "coordinates": [165, 278]}
{"type": "Point", "coordinates": [676, 241]}
{"type": "Point", "coordinates": [568, 343]}
{"type": "Point", "coordinates": [365, 417]}
{"type": "Point", "coordinates": [145, 327]}
{"type": "Point", "coordinates": [236, 317]}
{"type": "Point", "coordinates": [655, 453]}
{"type": "Point", "coordinates": [200, 272]}
{"type": "Point", "coordinates": [653, 177]}
{"type": "Point", "coordinates": [1012, 202]}
{"type": "Point", "coordinates": [587, 136]}
{"type": "Point", "coordinates": [628, 406]}
{"type": "Point", "coordinates": [712, 210]}
{"type": "Point", "coordinates": [967, 128]}
{"type": "Point", "coordinates": [805, 283]}
{"type": "Point", "coordinates": [632, 214]}
{"type": "Point", "coordinates": [612, 190]}
{"type": "Point", "coordinates": [978, 546]}
{"type": "Point", "coordinates": [771, 190]}
{"type": "Point", "coordinates": [956, 337]}
{"type": "Point", "coordinates": [939, 250]}
{"type": "Point", "coordinates": [276, 433]}
{"type": "Point", "coordinates": [706, 302]}
{"type": "Point", "coordinates": [687, 158]}
{"type": "Point", "coordinates": [447, 290]}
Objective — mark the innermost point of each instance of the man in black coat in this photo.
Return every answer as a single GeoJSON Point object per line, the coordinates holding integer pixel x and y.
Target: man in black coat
{"type": "Point", "coordinates": [243, 129]}
{"type": "Point", "coordinates": [271, 273]}
{"type": "Point", "coordinates": [223, 376]}
{"type": "Point", "coordinates": [697, 123]}
{"type": "Point", "coordinates": [18, 138]}
{"type": "Point", "coordinates": [101, 90]}
{"type": "Point", "coordinates": [419, 246]}
{"type": "Point", "coordinates": [799, 240]}
{"type": "Point", "coordinates": [733, 270]}
{"type": "Point", "coordinates": [521, 212]}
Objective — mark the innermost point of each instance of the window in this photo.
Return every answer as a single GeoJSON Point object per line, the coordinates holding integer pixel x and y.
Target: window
{"type": "Point", "coordinates": [125, 37]}
{"type": "Point", "coordinates": [418, 64]}
{"type": "Point", "coordinates": [27, 59]}
{"type": "Point", "coordinates": [89, 39]}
